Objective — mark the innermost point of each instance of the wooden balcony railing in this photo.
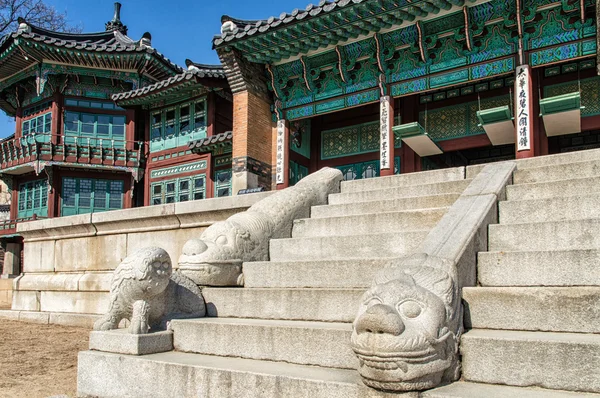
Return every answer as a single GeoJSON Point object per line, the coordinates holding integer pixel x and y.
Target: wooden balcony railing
{"type": "Point", "coordinates": [70, 149]}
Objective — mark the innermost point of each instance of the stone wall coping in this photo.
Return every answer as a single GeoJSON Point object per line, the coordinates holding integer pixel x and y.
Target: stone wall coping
{"type": "Point", "coordinates": [138, 219]}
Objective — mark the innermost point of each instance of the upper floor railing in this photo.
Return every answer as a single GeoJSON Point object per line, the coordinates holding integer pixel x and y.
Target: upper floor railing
{"type": "Point", "coordinates": [9, 227]}
{"type": "Point", "coordinates": [70, 149]}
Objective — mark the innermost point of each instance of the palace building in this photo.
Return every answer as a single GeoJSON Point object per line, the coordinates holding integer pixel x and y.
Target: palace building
{"type": "Point", "coordinates": [374, 88]}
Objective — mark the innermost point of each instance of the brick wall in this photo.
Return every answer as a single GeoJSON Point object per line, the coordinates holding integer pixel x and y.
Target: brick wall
{"type": "Point", "coordinates": [252, 127]}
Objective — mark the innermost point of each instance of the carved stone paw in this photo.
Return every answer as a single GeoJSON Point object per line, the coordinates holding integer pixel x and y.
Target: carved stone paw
{"type": "Point", "coordinates": [139, 319]}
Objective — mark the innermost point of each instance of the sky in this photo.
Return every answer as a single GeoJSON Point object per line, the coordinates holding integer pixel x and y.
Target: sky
{"type": "Point", "coordinates": [179, 29]}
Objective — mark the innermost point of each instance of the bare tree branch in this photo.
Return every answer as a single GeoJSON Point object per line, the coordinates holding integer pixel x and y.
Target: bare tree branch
{"type": "Point", "coordinates": [35, 12]}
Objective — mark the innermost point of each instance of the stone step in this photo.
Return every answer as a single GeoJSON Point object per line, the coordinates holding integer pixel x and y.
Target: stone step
{"type": "Point", "coordinates": [346, 247]}
{"type": "Point", "coordinates": [327, 305]}
{"type": "Point", "coordinates": [574, 207]}
{"type": "Point", "coordinates": [558, 159]}
{"type": "Point", "coordinates": [357, 273]}
{"type": "Point", "coordinates": [554, 309]}
{"type": "Point", "coordinates": [404, 180]}
{"type": "Point", "coordinates": [324, 344]}
{"type": "Point", "coordinates": [553, 189]}
{"type": "Point", "coordinates": [384, 222]}
{"type": "Point", "coordinates": [561, 361]}
{"type": "Point", "coordinates": [450, 187]}
{"type": "Point", "coordinates": [539, 268]}
{"type": "Point", "coordinates": [178, 374]}
{"type": "Point", "coordinates": [376, 206]}
{"type": "Point", "coordinates": [463, 389]}
{"type": "Point", "coordinates": [554, 235]}
{"type": "Point", "coordinates": [589, 168]}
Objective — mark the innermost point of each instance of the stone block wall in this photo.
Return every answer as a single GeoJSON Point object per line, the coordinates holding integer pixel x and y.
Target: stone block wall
{"type": "Point", "coordinates": [68, 261]}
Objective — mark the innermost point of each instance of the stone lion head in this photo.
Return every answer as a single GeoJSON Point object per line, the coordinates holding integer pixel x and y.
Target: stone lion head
{"type": "Point", "coordinates": [150, 267]}
{"type": "Point", "coordinates": [405, 333]}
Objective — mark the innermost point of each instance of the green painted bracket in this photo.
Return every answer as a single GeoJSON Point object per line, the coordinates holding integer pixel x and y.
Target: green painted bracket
{"type": "Point", "coordinates": [408, 130]}
{"type": "Point", "coordinates": [415, 136]}
{"type": "Point", "coordinates": [494, 115]}
{"type": "Point", "coordinates": [560, 103]}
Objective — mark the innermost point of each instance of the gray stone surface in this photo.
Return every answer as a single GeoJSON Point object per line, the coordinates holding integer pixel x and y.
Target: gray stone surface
{"type": "Point", "coordinates": [563, 361]}
{"type": "Point", "coordinates": [307, 343]}
{"type": "Point", "coordinates": [34, 317]}
{"type": "Point", "coordinates": [555, 235]}
{"type": "Point", "coordinates": [48, 281]}
{"type": "Point", "coordinates": [74, 302]}
{"type": "Point", "coordinates": [25, 301]}
{"type": "Point", "coordinates": [463, 389]}
{"type": "Point", "coordinates": [327, 305]}
{"type": "Point", "coordinates": [381, 222]}
{"type": "Point", "coordinates": [9, 314]}
{"type": "Point", "coordinates": [553, 189]}
{"type": "Point", "coordinates": [176, 374]}
{"type": "Point", "coordinates": [215, 259]}
{"type": "Point", "coordinates": [590, 168]}
{"type": "Point", "coordinates": [342, 247]}
{"type": "Point", "coordinates": [579, 206]}
{"type": "Point", "coordinates": [404, 180]}
{"type": "Point", "coordinates": [122, 342]}
{"type": "Point", "coordinates": [558, 159]}
{"type": "Point", "coordinates": [450, 187]}
{"type": "Point", "coordinates": [557, 309]}
{"type": "Point", "coordinates": [313, 274]}
{"type": "Point", "coordinates": [539, 268]}
{"type": "Point", "coordinates": [12, 259]}
{"type": "Point", "coordinates": [376, 206]}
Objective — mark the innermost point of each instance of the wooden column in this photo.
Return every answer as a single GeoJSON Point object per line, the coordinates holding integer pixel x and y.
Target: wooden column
{"type": "Point", "coordinates": [282, 162]}
{"type": "Point", "coordinates": [386, 136]}
{"type": "Point", "coordinates": [525, 145]}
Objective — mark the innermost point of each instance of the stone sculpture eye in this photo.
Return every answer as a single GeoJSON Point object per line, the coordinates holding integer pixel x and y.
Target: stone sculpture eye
{"type": "Point", "coordinates": [221, 240]}
{"type": "Point", "coordinates": [410, 309]}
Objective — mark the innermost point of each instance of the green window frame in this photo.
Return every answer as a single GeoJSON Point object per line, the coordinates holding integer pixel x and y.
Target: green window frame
{"type": "Point", "coordinates": [33, 199]}
{"type": "Point", "coordinates": [95, 127]}
{"type": "Point", "coordinates": [297, 172]}
{"type": "Point", "coordinates": [32, 110]}
{"type": "Point", "coordinates": [87, 103]}
{"type": "Point", "coordinates": [223, 183]}
{"type": "Point", "coordinates": [90, 195]}
{"type": "Point", "coordinates": [178, 190]}
{"type": "Point", "coordinates": [359, 171]}
{"type": "Point", "coordinates": [38, 127]}
{"type": "Point", "coordinates": [175, 126]}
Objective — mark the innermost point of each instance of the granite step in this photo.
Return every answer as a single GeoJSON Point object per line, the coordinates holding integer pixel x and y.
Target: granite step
{"type": "Point", "coordinates": [559, 159]}
{"type": "Point", "coordinates": [576, 207]}
{"type": "Point", "coordinates": [383, 222]}
{"type": "Point", "coordinates": [561, 361]}
{"type": "Point", "coordinates": [178, 374]}
{"type": "Point", "coordinates": [324, 344]}
{"type": "Point", "coordinates": [554, 309]}
{"type": "Point", "coordinates": [327, 305]}
{"type": "Point", "coordinates": [554, 235]}
{"type": "Point", "coordinates": [539, 268]}
{"type": "Point", "coordinates": [450, 187]}
{"type": "Point", "coordinates": [346, 247]}
{"type": "Point", "coordinates": [463, 389]}
{"type": "Point", "coordinates": [404, 180]}
{"type": "Point", "coordinates": [553, 189]}
{"type": "Point", "coordinates": [357, 273]}
{"type": "Point", "coordinates": [581, 169]}
{"type": "Point", "coordinates": [376, 206]}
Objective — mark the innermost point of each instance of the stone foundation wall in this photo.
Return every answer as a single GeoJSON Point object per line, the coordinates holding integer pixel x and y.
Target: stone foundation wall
{"type": "Point", "coordinates": [68, 261]}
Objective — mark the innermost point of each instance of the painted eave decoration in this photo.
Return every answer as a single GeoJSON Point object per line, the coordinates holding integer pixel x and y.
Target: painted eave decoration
{"type": "Point", "coordinates": [198, 79]}
{"type": "Point", "coordinates": [212, 143]}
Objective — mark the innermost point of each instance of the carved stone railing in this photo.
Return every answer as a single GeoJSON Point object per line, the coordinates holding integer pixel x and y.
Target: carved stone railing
{"type": "Point", "coordinates": [69, 149]}
{"type": "Point", "coordinates": [407, 331]}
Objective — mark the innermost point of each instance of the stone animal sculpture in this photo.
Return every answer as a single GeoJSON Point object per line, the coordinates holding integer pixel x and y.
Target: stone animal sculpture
{"type": "Point", "coordinates": [215, 259]}
{"type": "Point", "coordinates": [408, 326]}
{"type": "Point", "coordinates": [146, 291]}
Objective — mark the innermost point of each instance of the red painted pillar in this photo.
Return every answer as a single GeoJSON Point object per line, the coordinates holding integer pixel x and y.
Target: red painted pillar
{"type": "Point", "coordinates": [525, 144]}
{"type": "Point", "coordinates": [386, 135]}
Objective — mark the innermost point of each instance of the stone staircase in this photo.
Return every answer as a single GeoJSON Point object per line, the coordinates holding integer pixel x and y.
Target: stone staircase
{"type": "Point", "coordinates": [535, 318]}
{"type": "Point", "coordinates": [533, 323]}
{"type": "Point", "coordinates": [287, 332]}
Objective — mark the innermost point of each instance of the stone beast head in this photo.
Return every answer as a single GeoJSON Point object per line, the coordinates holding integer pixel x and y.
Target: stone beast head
{"type": "Point", "coordinates": [407, 329]}
{"type": "Point", "coordinates": [216, 258]}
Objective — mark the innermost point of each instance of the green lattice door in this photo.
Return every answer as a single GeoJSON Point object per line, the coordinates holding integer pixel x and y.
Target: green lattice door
{"type": "Point", "coordinates": [359, 171]}
{"type": "Point", "coordinates": [88, 195]}
{"type": "Point", "coordinates": [33, 199]}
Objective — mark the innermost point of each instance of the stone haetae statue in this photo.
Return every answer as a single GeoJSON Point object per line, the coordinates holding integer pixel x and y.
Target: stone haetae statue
{"type": "Point", "coordinates": [408, 326]}
{"type": "Point", "coordinates": [146, 291]}
{"type": "Point", "coordinates": [215, 259]}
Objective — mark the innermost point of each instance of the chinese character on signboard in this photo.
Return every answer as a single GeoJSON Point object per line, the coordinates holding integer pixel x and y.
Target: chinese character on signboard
{"type": "Point", "coordinates": [384, 128]}
{"type": "Point", "coordinates": [280, 152]}
{"type": "Point", "coordinates": [523, 117]}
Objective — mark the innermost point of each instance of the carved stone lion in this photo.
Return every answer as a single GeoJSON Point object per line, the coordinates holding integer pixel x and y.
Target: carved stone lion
{"type": "Point", "coordinates": [145, 290]}
{"type": "Point", "coordinates": [215, 259]}
{"type": "Point", "coordinates": [407, 329]}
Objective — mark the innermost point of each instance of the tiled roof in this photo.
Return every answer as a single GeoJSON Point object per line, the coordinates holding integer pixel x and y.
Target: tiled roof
{"type": "Point", "coordinates": [239, 28]}
{"type": "Point", "coordinates": [206, 144]}
{"type": "Point", "coordinates": [194, 71]}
